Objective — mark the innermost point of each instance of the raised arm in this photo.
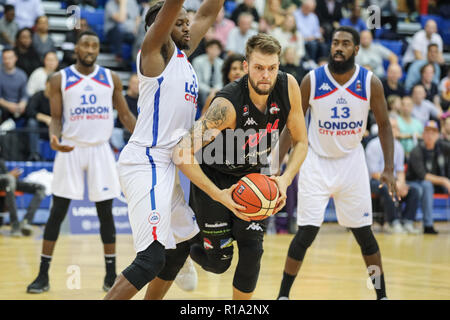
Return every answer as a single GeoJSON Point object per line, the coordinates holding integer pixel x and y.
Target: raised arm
{"type": "Point", "coordinates": [120, 104]}
{"type": "Point", "coordinates": [220, 115]}
{"type": "Point", "coordinates": [297, 130]}
{"type": "Point", "coordinates": [203, 20]}
{"type": "Point", "coordinates": [56, 110]}
{"type": "Point", "coordinates": [157, 36]}
{"type": "Point", "coordinates": [379, 109]}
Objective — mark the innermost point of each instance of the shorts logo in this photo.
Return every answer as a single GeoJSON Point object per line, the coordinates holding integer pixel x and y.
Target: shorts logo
{"type": "Point", "coordinates": [225, 243]}
{"type": "Point", "coordinates": [366, 214]}
{"type": "Point", "coordinates": [254, 226]}
{"type": "Point", "coordinates": [241, 189]}
{"type": "Point", "coordinates": [154, 218]}
{"type": "Point", "coordinates": [207, 244]}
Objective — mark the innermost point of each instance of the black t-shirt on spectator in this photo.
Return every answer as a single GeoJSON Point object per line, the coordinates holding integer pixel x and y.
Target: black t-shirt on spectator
{"type": "Point", "coordinates": [243, 8]}
{"type": "Point", "coordinates": [297, 71]}
{"type": "Point", "coordinates": [132, 105]}
{"type": "Point", "coordinates": [39, 103]}
{"type": "Point", "coordinates": [388, 91]}
{"type": "Point", "coordinates": [28, 61]}
{"type": "Point", "coordinates": [431, 92]}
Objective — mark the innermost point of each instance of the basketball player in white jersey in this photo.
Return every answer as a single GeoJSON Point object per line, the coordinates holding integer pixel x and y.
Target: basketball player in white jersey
{"type": "Point", "coordinates": [339, 96]}
{"type": "Point", "coordinates": [82, 100]}
{"type": "Point", "coordinates": [160, 219]}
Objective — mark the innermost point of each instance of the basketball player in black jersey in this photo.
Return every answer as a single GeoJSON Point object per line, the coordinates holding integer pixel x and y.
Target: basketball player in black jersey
{"type": "Point", "coordinates": [242, 125]}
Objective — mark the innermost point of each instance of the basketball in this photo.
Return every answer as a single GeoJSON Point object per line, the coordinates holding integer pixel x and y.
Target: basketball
{"type": "Point", "coordinates": [258, 194]}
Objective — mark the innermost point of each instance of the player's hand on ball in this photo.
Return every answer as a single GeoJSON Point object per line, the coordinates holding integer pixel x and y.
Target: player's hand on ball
{"type": "Point", "coordinates": [55, 145]}
{"type": "Point", "coordinates": [282, 188]}
{"type": "Point", "coordinates": [387, 178]}
{"type": "Point", "coordinates": [225, 198]}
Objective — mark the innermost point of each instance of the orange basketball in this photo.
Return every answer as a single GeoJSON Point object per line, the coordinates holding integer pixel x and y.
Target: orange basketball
{"type": "Point", "coordinates": [258, 194]}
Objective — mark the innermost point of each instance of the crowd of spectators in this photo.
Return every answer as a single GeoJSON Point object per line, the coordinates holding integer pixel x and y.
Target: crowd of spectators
{"type": "Point", "coordinates": [416, 82]}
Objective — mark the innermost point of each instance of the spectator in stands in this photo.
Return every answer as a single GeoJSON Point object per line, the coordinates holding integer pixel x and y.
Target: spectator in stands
{"type": "Point", "coordinates": [120, 134]}
{"type": "Point", "coordinates": [274, 13]}
{"type": "Point", "coordinates": [247, 6]}
{"type": "Point", "coordinates": [222, 28]}
{"type": "Point", "coordinates": [445, 125]}
{"type": "Point", "coordinates": [413, 75]}
{"type": "Point", "coordinates": [354, 20]}
{"type": "Point", "coordinates": [429, 171]}
{"type": "Point", "coordinates": [289, 36]}
{"type": "Point", "coordinates": [329, 13]}
{"type": "Point", "coordinates": [410, 128]}
{"type": "Point", "coordinates": [27, 11]}
{"type": "Point", "coordinates": [208, 66]}
{"type": "Point", "coordinates": [192, 5]}
{"type": "Point", "coordinates": [392, 84]}
{"type": "Point", "coordinates": [27, 58]}
{"type": "Point", "coordinates": [417, 49]}
{"type": "Point", "coordinates": [42, 42]}
{"type": "Point", "coordinates": [290, 63]}
{"type": "Point", "coordinates": [372, 54]}
{"type": "Point", "coordinates": [409, 196]}
{"type": "Point", "coordinates": [82, 3]}
{"type": "Point", "coordinates": [10, 183]}
{"type": "Point", "coordinates": [8, 26]}
{"type": "Point", "coordinates": [68, 46]}
{"type": "Point", "coordinates": [431, 88]}
{"type": "Point", "coordinates": [444, 91]}
{"type": "Point", "coordinates": [13, 82]}
{"type": "Point", "coordinates": [238, 36]}
{"type": "Point", "coordinates": [424, 110]}
{"type": "Point", "coordinates": [309, 26]}
{"type": "Point", "coordinates": [38, 115]}
{"type": "Point", "coordinates": [122, 19]}
{"type": "Point", "coordinates": [38, 78]}
{"type": "Point", "coordinates": [394, 104]}
{"type": "Point", "coordinates": [232, 70]}
{"type": "Point", "coordinates": [388, 10]}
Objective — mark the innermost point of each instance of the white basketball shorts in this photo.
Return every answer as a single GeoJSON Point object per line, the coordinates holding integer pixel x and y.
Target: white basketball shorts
{"type": "Point", "coordinates": [156, 207]}
{"type": "Point", "coordinates": [100, 166]}
{"type": "Point", "coordinates": [346, 179]}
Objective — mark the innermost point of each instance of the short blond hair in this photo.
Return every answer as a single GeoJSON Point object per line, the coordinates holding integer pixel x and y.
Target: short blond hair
{"type": "Point", "coordinates": [263, 43]}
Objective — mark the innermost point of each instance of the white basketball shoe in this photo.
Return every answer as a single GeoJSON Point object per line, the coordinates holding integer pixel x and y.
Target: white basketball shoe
{"type": "Point", "coordinates": [187, 277]}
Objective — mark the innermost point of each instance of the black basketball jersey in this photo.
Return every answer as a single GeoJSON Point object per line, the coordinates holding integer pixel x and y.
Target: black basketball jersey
{"type": "Point", "coordinates": [246, 148]}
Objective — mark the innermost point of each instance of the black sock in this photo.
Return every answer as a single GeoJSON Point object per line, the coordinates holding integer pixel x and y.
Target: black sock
{"type": "Point", "coordinates": [286, 285]}
{"type": "Point", "coordinates": [110, 264]}
{"type": "Point", "coordinates": [45, 264]}
{"type": "Point", "coordinates": [381, 289]}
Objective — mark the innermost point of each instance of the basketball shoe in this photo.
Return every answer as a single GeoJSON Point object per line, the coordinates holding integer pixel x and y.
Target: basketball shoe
{"type": "Point", "coordinates": [187, 276]}
{"type": "Point", "coordinates": [40, 284]}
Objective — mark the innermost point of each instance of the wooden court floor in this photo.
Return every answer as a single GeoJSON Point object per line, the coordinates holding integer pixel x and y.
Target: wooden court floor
{"type": "Point", "coordinates": [416, 267]}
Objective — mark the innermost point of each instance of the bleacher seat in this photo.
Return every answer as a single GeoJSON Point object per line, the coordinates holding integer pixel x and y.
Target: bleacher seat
{"type": "Point", "coordinates": [95, 19]}
{"type": "Point", "coordinates": [396, 46]}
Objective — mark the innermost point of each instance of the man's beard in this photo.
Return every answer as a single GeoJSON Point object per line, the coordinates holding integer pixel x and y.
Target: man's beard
{"type": "Point", "coordinates": [86, 64]}
{"type": "Point", "coordinates": [259, 91]}
{"type": "Point", "coordinates": [341, 67]}
{"type": "Point", "coordinates": [182, 45]}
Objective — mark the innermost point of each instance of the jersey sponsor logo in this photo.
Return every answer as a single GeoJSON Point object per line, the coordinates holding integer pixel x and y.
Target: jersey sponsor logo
{"type": "Point", "coordinates": [246, 110]}
{"type": "Point", "coordinates": [274, 109]}
{"type": "Point", "coordinates": [207, 244]}
{"type": "Point", "coordinates": [154, 218]}
{"type": "Point", "coordinates": [254, 226]}
{"type": "Point", "coordinates": [191, 91]}
{"type": "Point", "coordinates": [225, 243]}
{"type": "Point", "coordinates": [250, 122]}
{"type": "Point", "coordinates": [216, 225]}
{"type": "Point", "coordinates": [89, 113]}
{"type": "Point", "coordinates": [340, 128]}
{"type": "Point", "coordinates": [254, 139]}
{"type": "Point", "coordinates": [325, 87]}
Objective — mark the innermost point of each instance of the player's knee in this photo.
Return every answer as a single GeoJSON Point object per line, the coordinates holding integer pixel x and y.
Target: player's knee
{"type": "Point", "coordinates": [175, 260]}
{"type": "Point", "coordinates": [105, 216]}
{"type": "Point", "coordinates": [366, 240]}
{"type": "Point", "coordinates": [58, 212]}
{"type": "Point", "coordinates": [218, 263]}
{"type": "Point", "coordinates": [247, 271]}
{"type": "Point", "coordinates": [146, 266]}
{"type": "Point", "coordinates": [302, 241]}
